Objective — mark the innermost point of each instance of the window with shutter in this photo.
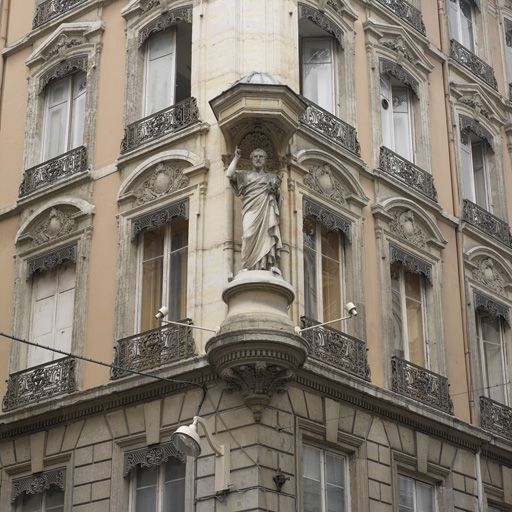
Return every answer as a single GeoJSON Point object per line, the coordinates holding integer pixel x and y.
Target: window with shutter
{"type": "Point", "coordinates": [474, 172]}
{"type": "Point", "coordinates": [461, 14]}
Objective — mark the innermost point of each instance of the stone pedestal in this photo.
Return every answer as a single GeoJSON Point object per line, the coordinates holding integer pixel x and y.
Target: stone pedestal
{"type": "Point", "coordinates": [257, 350]}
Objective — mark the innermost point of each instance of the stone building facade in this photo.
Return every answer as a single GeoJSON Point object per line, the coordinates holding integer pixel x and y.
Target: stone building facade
{"type": "Point", "coordinates": [389, 124]}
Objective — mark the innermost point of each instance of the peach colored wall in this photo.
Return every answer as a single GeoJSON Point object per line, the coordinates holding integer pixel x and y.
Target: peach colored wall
{"type": "Point", "coordinates": [21, 13]}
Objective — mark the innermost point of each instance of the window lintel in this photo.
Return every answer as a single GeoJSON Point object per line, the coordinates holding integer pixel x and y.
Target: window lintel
{"type": "Point", "coordinates": [329, 218]}
{"type": "Point", "coordinates": [322, 21]}
{"type": "Point", "coordinates": [410, 262]}
{"type": "Point", "coordinates": [167, 19]}
{"type": "Point", "coordinates": [38, 483]}
{"type": "Point", "coordinates": [62, 69]}
{"type": "Point", "coordinates": [491, 306]}
{"type": "Point", "coordinates": [51, 260]}
{"type": "Point", "coordinates": [150, 456]}
{"type": "Point", "coordinates": [470, 125]}
{"type": "Point", "coordinates": [153, 220]}
{"type": "Point", "coordinates": [395, 70]}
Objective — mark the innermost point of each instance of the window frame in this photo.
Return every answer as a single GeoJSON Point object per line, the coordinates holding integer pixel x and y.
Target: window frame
{"type": "Point", "coordinates": [468, 174]}
{"type": "Point", "coordinates": [19, 502]}
{"type": "Point", "coordinates": [416, 480]}
{"type": "Point", "coordinates": [459, 35]}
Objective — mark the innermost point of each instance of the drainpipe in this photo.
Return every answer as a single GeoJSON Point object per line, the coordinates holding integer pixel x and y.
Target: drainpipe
{"type": "Point", "coordinates": [4, 16]}
{"type": "Point", "coordinates": [459, 243]}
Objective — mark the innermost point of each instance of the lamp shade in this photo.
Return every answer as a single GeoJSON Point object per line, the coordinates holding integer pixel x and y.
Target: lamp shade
{"type": "Point", "coordinates": [186, 440]}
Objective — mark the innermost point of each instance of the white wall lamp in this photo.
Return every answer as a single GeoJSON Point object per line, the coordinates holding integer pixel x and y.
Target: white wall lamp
{"type": "Point", "coordinates": [351, 310]}
{"type": "Point", "coordinates": [186, 440]}
{"type": "Point", "coordinates": [162, 313]}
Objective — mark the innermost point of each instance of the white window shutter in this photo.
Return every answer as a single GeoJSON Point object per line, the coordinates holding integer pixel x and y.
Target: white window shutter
{"type": "Point", "coordinates": [453, 15]}
{"type": "Point", "coordinates": [467, 170]}
{"type": "Point", "coordinates": [402, 122]}
{"type": "Point", "coordinates": [57, 112]}
{"type": "Point", "coordinates": [386, 112]}
{"type": "Point", "coordinates": [478, 157]}
{"type": "Point", "coordinates": [78, 110]}
{"type": "Point", "coordinates": [160, 71]}
{"type": "Point", "coordinates": [466, 24]}
{"type": "Point", "coordinates": [64, 309]}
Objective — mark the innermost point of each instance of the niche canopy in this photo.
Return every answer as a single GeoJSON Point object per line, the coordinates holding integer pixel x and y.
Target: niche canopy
{"type": "Point", "coordinates": [258, 98]}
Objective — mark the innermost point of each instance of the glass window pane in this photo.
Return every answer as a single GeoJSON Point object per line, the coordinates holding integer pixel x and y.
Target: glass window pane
{"type": "Point", "coordinates": [310, 270]}
{"type": "Point", "coordinates": [406, 486]}
{"type": "Point", "coordinates": [174, 470]}
{"type": "Point", "coordinates": [386, 103]}
{"type": "Point", "coordinates": [335, 469]}
{"type": "Point", "coordinates": [56, 130]}
{"type": "Point", "coordinates": [493, 358]}
{"type": "Point", "coordinates": [311, 460]}
{"type": "Point", "coordinates": [78, 110]}
{"type": "Point", "coordinates": [178, 271]}
{"type": "Point", "coordinates": [174, 496]}
{"type": "Point", "coordinates": [146, 490]}
{"type": "Point", "coordinates": [335, 499]}
{"type": "Point", "coordinates": [477, 154]}
{"type": "Point", "coordinates": [396, 304]}
{"type": "Point", "coordinates": [317, 70]}
{"type": "Point", "coordinates": [424, 497]}
{"type": "Point", "coordinates": [467, 169]}
{"type": "Point", "coordinates": [54, 500]}
{"type": "Point", "coordinates": [402, 122]}
{"type": "Point", "coordinates": [415, 327]}
{"type": "Point", "coordinates": [466, 22]}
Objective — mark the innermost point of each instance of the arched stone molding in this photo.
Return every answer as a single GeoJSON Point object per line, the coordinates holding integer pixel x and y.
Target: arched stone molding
{"type": "Point", "coordinates": [71, 47]}
{"type": "Point", "coordinates": [408, 235]}
{"type": "Point", "coordinates": [488, 268]}
{"type": "Point", "coordinates": [392, 50]}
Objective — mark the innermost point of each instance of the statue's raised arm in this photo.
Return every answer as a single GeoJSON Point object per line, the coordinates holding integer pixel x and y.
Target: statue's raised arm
{"type": "Point", "coordinates": [260, 190]}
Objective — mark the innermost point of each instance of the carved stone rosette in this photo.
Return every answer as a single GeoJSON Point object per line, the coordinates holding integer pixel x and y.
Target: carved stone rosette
{"type": "Point", "coordinates": [257, 351]}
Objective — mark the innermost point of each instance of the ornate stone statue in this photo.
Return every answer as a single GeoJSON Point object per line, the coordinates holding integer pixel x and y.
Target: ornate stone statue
{"type": "Point", "coordinates": [261, 237]}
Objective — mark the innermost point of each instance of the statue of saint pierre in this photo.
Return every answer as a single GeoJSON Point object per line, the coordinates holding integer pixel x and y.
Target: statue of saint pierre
{"type": "Point", "coordinates": [261, 237]}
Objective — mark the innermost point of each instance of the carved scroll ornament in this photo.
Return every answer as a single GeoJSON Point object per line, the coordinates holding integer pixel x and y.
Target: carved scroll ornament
{"type": "Point", "coordinates": [329, 218]}
{"type": "Point", "coordinates": [38, 483]}
{"type": "Point", "coordinates": [165, 179]}
{"type": "Point", "coordinates": [410, 262]}
{"type": "Point", "coordinates": [469, 126]}
{"type": "Point", "coordinates": [321, 20]}
{"type": "Point", "coordinates": [154, 220]}
{"type": "Point", "coordinates": [321, 179]}
{"type": "Point", "coordinates": [62, 69]}
{"type": "Point", "coordinates": [51, 260]}
{"type": "Point", "coordinates": [150, 457]}
{"type": "Point", "coordinates": [405, 226]}
{"type": "Point", "coordinates": [166, 20]}
{"type": "Point", "coordinates": [488, 274]}
{"type": "Point", "coordinates": [491, 306]}
{"type": "Point", "coordinates": [56, 225]}
{"type": "Point", "coordinates": [388, 67]}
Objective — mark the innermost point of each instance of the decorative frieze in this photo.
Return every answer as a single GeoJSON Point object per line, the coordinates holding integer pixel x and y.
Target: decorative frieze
{"type": "Point", "coordinates": [62, 69]}
{"type": "Point", "coordinates": [388, 67]}
{"type": "Point", "coordinates": [486, 222]}
{"type": "Point", "coordinates": [166, 20]}
{"type": "Point", "coordinates": [473, 63]}
{"type": "Point", "coordinates": [61, 45]}
{"type": "Point", "coordinates": [491, 306]}
{"type": "Point", "coordinates": [398, 45]}
{"type": "Point", "coordinates": [489, 275]}
{"type": "Point", "coordinates": [421, 384]}
{"type": "Point", "coordinates": [38, 483]}
{"type": "Point", "coordinates": [469, 125]}
{"type": "Point", "coordinates": [51, 260]}
{"type": "Point", "coordinates": [151, 457]}
{"type": "Point", "coordinates": [56, 169]}
{"type": "Point", "coordinates": [405, 226]}
{"type": "Point", "coordinates": [410, 262]}
{"type": "Point", "coordinates": [407, 172]}
{"type": "Point", "coordinates": [154, 220]}
{"type": "Point", "coordinates": [328, 125]}
{"type": "Point", "coordinates": [407, 12]}
{"type": "Point", "coordinates": [151, 349]}
{"type": "Point", "coordinates": [321, 20]}
{"type": "Point", "coordinates": [336, 348]}
{"type": "Point", "coordinates": [332, 220]}
{"type": "Point", "coordinates": [40, 382]}
{"type": "Point", "coordinates": [50, 9]}
{"type": "Point", "coordinates": [321, 179]}
{"type": "Point", "coordinates": [496, 417]}
{"type": "Point", "coordinates": [166, 121]}
{"type": "Point", "coordinates": [165, 179]}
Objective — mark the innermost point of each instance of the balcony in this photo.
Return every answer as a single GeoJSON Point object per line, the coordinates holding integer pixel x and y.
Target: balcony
{"type": "Point", "coordinates": [408, 173]}
{"type": "Point", "coordinates": [166, 121]}
{"type": "Point", "coordinates": [40, 382]}
{"type": "Point", "coordinates": [407, 12]}
{"type": "Point", "coordinates": [328, 125]}
{"type": "Point", "coordinates": [496, 417]}
{"type": "Point", "coordinates": [151, 349]}
{"type": "Point", "coordinates": [50, 9]}
{"type": "Point", "coordinates": [470, 61]}
{"type": "Point", "coordinates": [421, 384]}
{"type": "Point", "coordinates": [337, 349]}
{"type": "Point", "coordinates": [486, 222]}
{"type": "Point", "coordinates": [56, 169]}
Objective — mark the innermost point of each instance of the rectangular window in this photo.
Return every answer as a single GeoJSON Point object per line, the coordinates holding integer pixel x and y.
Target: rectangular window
{"type": "Point", "coordinates": [461, 22]}
{"type": "Point", "coordinates": [51, 500]}
{"type": "Point", "coordinates": [415, 496]}
{"type": "Point", "coordinates": [53, 299]}
{"type": "Point", "coordinates": [163, 276]}
{"type": "Point", "coordinates": [493, 356]}
{"type": "Point", "coordinates": [65, 115]}
{"type": "Point", "coordinates": [318, 71]}
{"type": "Point", "coordinates": [397, 118]}
{"type": "Point", "coordinates": [325, 481]}
{"type": "Point", "coordinates": [473, 153]}
{"type": "Point", "coordinates": [159, 489]}
{"type": "Point", "coordinates": [409, 313]}
{"type": "Point", "coordinates": [323, 272]}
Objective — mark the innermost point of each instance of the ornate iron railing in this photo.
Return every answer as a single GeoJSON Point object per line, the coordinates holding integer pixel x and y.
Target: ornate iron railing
{"type": "Point", "coordinates": [330, 126]}
{"type": "Point", "coordinates": [495, 417]}
{"type": "Point", "coordinates": [425, 386]}
{"type": "Point", "coordinates": [39, 383]}
{"type": "Point", "coordinates": [407, 12]}
{"type": "Point", "coordinates": [170, 120]}
{"type": "Point", "coordinates": [337, 349]}
{"type": "Point", "coordinates": [407, 172]}
{"type": "Point", "coordinates": [58, 168]}
{"type": "Point", "coordinates": [486, 222]}
{"type": "Point", "coordinates": [470, 61]}
{"type": "Point", "coordinates": [50, 9]}
{"type": "Point", "coordinates": [153, 348]}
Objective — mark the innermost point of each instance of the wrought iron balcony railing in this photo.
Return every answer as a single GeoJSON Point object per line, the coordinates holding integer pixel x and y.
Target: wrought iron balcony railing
{"type": "Point", "coordinates": [486, 222]}
{"type": "Point", "coordinates": [421, 384]}
{"type": "Point", "coordinates": [496, 417]}
{"type": "Point", "coordinates": [407, 172]}
{"type": "Point", "coordinates": [407, 12]}
{"type": "Point", "coordinates": [170, 120]}
{"type": "Point", "coordinates": [330, 126]}
{"type": "Point", "coordinates": [153, 348]}
{"type": "Point", "coordinates": [40, 383]}
{"type": "Point", "coordinates": [337, 349]}
{"type": "Point", "coordinates": [56, 169]}
{"type": "Point", "coordinates": [470, 61]}
{"type": "Point", "coordinates": [50, 9]}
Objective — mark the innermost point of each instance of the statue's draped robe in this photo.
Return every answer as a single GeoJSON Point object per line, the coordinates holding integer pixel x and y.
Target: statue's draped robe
{"type": "Point", "coordinates": [261, 237]}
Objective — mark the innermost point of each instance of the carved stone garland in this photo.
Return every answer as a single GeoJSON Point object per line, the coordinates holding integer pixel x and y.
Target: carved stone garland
{"type": "Point", "coordinates": [38, 483]}
{"type": "Point", "coordinates": [51, 260]}
{"type": "Point", "coordinates": [469, 125]}
{"type": "Point", "coordinates": [492, 307]}
{"type": "Point", "coordinates": [56, 225]}
{"type": "Point", "coordinates": [405, 226]}
{"type": "Point", "coordinates": [488, 275]}
{"type": "Point", "coordinates": [410, 262]}
{"type": "Point", "coordinates": [321, 179]}
{"type": "Point", "coordinates": [154, 220]}
{"type": "Point", "coordinates": [150, 457]}
{"type": "Point", "coordinates": [395, 70]}
{"type": "Point", "coordinates": [163, 180]}
{"type": "Point", "coordinates": [166, 20]}
{"type": "Point", "coordinates": [321, 20]}
{"type": "Point", "coordinates": [64, 68]}
{"type": "Point", "coordinates": [329, 218]}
